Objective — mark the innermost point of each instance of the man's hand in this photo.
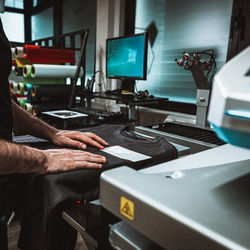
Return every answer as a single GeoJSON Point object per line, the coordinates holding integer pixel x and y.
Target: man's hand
{"type": "Point", "coordinates": [28, 124]}
{"type": "Point", "coordinates": [59, 160]}
{"type": "Point", "coordinates": [77, 139]}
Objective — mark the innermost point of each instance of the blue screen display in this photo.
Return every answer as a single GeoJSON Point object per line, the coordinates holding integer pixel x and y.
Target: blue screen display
{"type": "Point", "coordinates": [125, 57]}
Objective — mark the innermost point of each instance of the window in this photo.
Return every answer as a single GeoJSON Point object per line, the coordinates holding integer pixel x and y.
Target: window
{"type": "Point", "coordinates": [13, 24]}
{"type": "Point", "coordinates": [78, 15]}
{"type": "Point", "coordinates": [34, 3]}
{"type": "Point", "coordinates": [42, 24]}
{"type": "Point", "coordinates": [14, 4]}
{"type": "Point", "coordinates": [182, 26]}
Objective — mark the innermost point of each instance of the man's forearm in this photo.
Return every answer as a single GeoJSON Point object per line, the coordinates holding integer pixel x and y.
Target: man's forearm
{"type": "Point", "coordinates": [18, 159]}
{"type": "Point", "coordinates": [28, 124]}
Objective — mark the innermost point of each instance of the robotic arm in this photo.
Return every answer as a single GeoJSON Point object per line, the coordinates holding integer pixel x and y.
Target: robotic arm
{"type": "Point", "coordinates": [194, 62]}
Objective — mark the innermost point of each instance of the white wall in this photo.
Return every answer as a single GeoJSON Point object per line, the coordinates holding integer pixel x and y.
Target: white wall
{"type": "Point", "coordinates": [110, 23]}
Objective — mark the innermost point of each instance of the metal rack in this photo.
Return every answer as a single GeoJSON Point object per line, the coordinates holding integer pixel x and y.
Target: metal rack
{"type": "Point", "coordinates": [60, 42]}
{"type": "Point", "coordinates": [66, 41]}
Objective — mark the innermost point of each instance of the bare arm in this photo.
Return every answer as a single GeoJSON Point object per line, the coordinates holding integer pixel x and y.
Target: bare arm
{"type": "Point", "coordinates": [16, 159]}
{"type": "Point", "coordinates": [20, 159]}
{"type": "Point", "coordinates": [28, 124]}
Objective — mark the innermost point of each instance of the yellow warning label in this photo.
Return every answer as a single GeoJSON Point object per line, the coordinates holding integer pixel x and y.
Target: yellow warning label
{"type": "Point", "coordinates": [127, 208]}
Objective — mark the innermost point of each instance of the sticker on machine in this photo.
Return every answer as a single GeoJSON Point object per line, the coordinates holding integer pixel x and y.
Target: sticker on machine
{"type": "Point", "coordinates": [127, 208]}
{"type": "Point", "coordinates": [125, 153]}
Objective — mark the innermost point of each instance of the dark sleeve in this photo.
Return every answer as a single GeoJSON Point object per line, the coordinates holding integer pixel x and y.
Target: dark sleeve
{"type": "Point", "coordinates": [6, 122]}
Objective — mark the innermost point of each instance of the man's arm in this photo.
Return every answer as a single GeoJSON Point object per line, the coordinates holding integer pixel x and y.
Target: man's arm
{"type": "Point", "coordinates": [16, 159]}
{"type": "Point", "coordinates": [28, 124]}
{"type": "Point", "coordinates": [19, 159]}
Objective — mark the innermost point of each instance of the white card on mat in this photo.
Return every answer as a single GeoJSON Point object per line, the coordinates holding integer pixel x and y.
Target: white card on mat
{"type": "Point", "coordinates": [125, 153]}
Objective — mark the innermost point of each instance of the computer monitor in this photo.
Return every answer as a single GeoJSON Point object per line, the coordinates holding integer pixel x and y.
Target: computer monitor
{"type": "Point", "coordinates": [126, 57]}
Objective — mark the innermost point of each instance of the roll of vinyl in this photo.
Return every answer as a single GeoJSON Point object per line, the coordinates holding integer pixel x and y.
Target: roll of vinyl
{"type": "Point", "coordinates": [50, 100]}
{"type": "Point", "coordinates": [53, 71]}
{"type": "Point", "coordinates": [27, 71]}
{"type": "Point", "coordinates": [27, 91]}
{"type": "Point", "coordinates": [22, 102]}
{"type": "Point", "coordinates": [27, 88]}
{"type": "Point", "coordinates": [13, 77]}
{"type": "Point", "coordinates": [13, 53]}
{"type": "Point", "coordinates": [18, 96]}
{"type": "Point", "coordinates": [47, 81]}
{"type": "Point", "coordinates": [22, 61]}
{"type": "Point", "coordinates": [28, 79]}
{"type": "Point", "coordinates": [37, 54]}
{"type": "Point", "coordinates": [18, 71]}
{"type": "Point", "coordinates": [52, 93]}
{"type": "Point", "coordinates": [18, 52]}
{"type": "Point", "coordinates": [20, 87]}
{"type": "Point", "coordinates": [39, 108]}
{"type": "Point", "coordinates": [13, 87]}
{"type": "Point", "coordinates": [28, 107]}
{"type": "Point", "coordinates": [52, 90]}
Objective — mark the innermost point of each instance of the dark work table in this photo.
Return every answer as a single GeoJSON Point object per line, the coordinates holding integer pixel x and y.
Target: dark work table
{"type": "Point", "coordinates": [86, 121]}
{"type": "Point", "coordinates": [130, 101]}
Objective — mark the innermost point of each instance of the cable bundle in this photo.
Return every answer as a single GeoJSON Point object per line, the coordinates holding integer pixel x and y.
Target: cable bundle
{"type": "Point", "coordinates": [212, 67]}
{"type": "Point", "coordinates": [194, 58]}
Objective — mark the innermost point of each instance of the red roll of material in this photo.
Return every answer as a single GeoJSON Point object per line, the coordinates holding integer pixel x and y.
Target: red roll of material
{"type": "Point", "coordinates": [20, 96]}
{"type": "Point", "coordinates": [36, 54]}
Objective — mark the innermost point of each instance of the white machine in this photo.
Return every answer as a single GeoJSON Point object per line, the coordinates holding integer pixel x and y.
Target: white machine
{"type": "Point", "coordinates": [200, 201]}
{"type": "Point", "coordinates": [230, 102]}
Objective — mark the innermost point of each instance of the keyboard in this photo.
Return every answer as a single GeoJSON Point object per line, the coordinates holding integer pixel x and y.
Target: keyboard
{"type": "Point", "coordinates": [101, 114]}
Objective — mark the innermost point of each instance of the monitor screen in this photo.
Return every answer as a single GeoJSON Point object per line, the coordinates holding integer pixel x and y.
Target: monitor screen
{"type": "Point", "coordinates": [126, 57]}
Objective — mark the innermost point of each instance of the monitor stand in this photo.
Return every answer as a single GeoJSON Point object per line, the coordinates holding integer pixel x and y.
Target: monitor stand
{"type": "Point", "coordinates": [128, 84]}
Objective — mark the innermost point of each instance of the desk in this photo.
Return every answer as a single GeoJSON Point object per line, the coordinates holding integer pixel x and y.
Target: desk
{"type": "Point", "coordinates": [131, 102]}
{"type": "Point", "coordinates": [86, 121]}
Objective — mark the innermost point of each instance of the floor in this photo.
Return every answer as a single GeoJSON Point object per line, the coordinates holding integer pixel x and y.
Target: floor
{"type": "Point", "coordinates": [13, 232]}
